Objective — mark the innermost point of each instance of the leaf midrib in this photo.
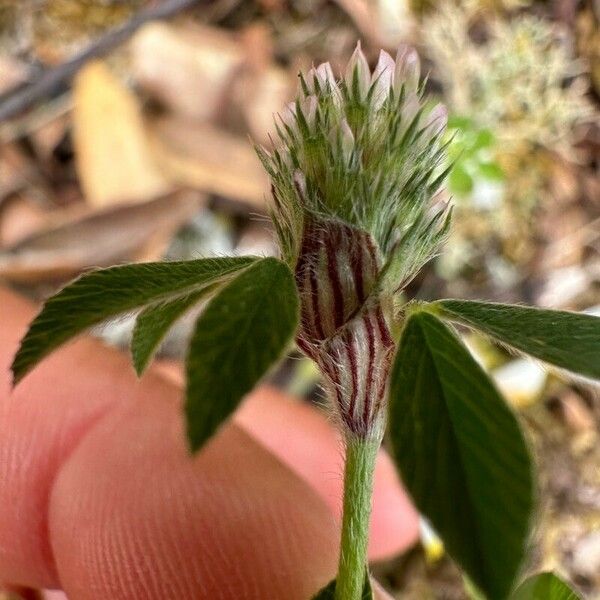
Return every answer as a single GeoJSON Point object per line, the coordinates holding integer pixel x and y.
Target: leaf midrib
{"type": "Point", "coordinates": [480, 554]}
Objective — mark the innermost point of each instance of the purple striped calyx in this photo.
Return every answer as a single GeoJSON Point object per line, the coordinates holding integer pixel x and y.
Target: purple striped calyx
{"type": "Point", "coordinates": [343, 326]}
{"type": "Point", "coordinates": [354, 171]}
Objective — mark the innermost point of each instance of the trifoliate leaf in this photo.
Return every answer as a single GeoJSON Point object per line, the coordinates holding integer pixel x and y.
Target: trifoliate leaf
{"type": "Point", "coordinates": [567, 340]}
{"type": "Point", "coordinates": [545, 586]}
{"type": "Point", "coordinates": [244, 329]}
{"type": "Point", "coordinates": [461, 454]}
{"type": "Point", "coordinates": [106, 293]}
{"type": "Point", "coordinates": [153, 323]}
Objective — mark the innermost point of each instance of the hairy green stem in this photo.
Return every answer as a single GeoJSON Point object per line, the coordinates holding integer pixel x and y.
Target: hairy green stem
{"type": "Point", "coordinates": [358, 489]}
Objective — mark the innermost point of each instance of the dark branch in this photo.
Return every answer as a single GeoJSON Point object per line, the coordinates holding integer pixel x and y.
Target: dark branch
{"type": "Point", "coordinates": [53, 81]}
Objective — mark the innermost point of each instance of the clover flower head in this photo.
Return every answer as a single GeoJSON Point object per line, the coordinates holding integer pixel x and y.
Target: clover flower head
{"type": "Point", "coordinates": [354, 168]}
{"type": "Point", "coordinates": [365, 150]}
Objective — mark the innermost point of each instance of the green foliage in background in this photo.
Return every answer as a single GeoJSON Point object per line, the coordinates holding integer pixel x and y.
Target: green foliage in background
{"type": "Point", "coordinates": [472, 154]}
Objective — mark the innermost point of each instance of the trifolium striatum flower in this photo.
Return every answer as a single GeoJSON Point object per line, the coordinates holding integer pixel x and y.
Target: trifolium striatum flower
{"type": "Point", "coordinates": [354, 169]}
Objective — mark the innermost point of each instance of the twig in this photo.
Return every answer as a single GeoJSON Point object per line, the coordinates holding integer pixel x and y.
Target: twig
{"type": "Point", "coordinates": [52, 81]}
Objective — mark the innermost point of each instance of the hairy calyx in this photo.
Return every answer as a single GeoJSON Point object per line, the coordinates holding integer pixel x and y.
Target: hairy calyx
{"type": "Point", "coordinates": [343, 325]}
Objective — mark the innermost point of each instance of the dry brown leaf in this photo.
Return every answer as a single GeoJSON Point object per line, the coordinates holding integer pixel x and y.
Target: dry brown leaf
{"type": "Point", "coordinates": [591, 186]}
{"type": "Point", "coordinates": [258, 46]}
{"type": "Point", "coordinates": [567, 233]}
{"type": "Point", "coordinates": [16, 170]}
{"type": "Point", "coordinates": [262, 96]}
{"type": "Point", "coordinates": [113, 161]}
{"type": "Point", "coordinates": [576, 413]}
{"type": "Point", "coordinates": [564, 183]}
{"type": "Point", "coordinates": [384, 23]}
{"type": "Point", "coordinates": [213, 75]}
{"type": "Point", "coordinates": [264, 89]}
{"type": "Point", "coordinates": [209, 159]}
{"type": "Point", "coordinates": [188, 68]}
{"type": "Point", "coordinates": [20, 217]}
{"type": "Point", "coordinates": [48, 136]}
{"type": "Point", "coordinates": [12, 73]}
{"type": "Point", "coordinates": [105, 238]}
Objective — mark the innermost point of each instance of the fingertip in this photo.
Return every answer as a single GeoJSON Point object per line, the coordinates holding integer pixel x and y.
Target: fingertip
{"type": "Point", "coordinates": [132, 515]}
{"type": "Point", "coordinates": [40, 423]}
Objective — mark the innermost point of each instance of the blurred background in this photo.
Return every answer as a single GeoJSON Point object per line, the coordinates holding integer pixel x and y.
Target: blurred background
{"type": "Point", "coordinates": [126, 137]}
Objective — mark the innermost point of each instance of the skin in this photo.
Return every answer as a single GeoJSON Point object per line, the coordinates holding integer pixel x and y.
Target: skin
{"type": "Point", "coordinates": [100, 498]}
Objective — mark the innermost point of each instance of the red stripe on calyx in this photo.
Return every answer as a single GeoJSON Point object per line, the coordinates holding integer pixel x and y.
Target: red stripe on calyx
{"type": "Point", "coordinates": [371, 364]}
{"type": "Point", "coordinates": [356, 261]}
{"type": "Point", "coordinates": [307, 283]}
{"type": "Point", "coordinates": [317, 320]}
{"type": "Point", "coordinates": [334, 280]}
{"type": "Point", "coordinates": [386, 338]}
{"type": "Point", "coordinates": [352, 360]}
{"type": "Point", "coordinates": [343, 326]}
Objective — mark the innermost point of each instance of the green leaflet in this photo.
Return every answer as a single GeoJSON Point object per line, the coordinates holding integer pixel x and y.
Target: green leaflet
{"type": "Point", "coordinates": [545, 586]}
{"type": "Point", "coordinates": [565, 339]}
{"type": "Point", "coordinates": [153, 323]}
{"type": "Point", "coordinates": [461, 454]}
{"type": "Point", "coordinates": [105, 293]}
{"type": "Point", "coordinates": [328, 592]}
{"type": "Point", "coordinates": [244, 329]}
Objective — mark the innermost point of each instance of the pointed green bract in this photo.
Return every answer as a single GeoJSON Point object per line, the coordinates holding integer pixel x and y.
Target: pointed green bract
{"type": "Point", "coordinates": [153, 323]}
{"type": "Point", "coordinates": [545, 586]}
{"type": "Point", "coordinates": [328, 592]}
{"type": "Point", "coordinates": [106, 293]}
{"type": "Point", "coordinates": [244, 329]}
{"type": "Point", "coordinates": [564, 339]}
{"type": "Point", "coordinates": [367, 151]}
{"type": "Point", "coordinates": [461, 453]}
